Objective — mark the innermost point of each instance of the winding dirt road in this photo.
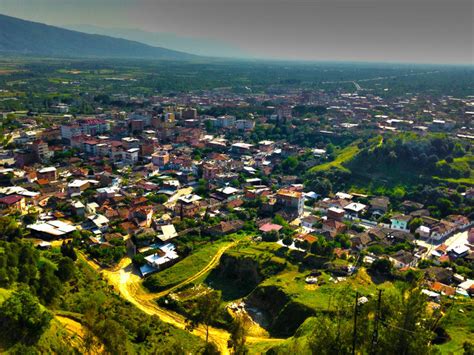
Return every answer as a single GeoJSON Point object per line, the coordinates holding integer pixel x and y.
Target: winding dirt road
{"type": "Point", "coordinates": [128, 283]}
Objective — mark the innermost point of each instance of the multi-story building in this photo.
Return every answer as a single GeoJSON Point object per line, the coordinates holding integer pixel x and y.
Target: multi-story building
{"type": "Point", "coordinates": [225, 121]}
{"type": "Point", "coordinates": [41, 150]}
{"type": "Point", "coordinates": [160, 158]}
{"type": "Point", "coordinates": [131, 155]}
{"type": "Point", "coordinates": [86, 126]}
{"type": "Point", "coordinates": [245, 125]}
{"type": "Point", "coordinates": [189, 113]}
{"type": "Point", "coordinates": [49, 173]}
{"type": "Point", "coordinates": [293, 201]}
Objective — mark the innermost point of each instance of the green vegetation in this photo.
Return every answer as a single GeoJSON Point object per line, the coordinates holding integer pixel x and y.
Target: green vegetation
{"type": "Point", "coordinates": [183, 269]}
{"type": "Point", "coordinates": [40, 284]}
{"type": "Point", "coordinates": [243, 267]}
{"type": "Point", "coordinates": [404, 326]}
{"type": "Point", "coordinates": [342, 157]}
{"type": "Point", "coordinates": [459, 326]}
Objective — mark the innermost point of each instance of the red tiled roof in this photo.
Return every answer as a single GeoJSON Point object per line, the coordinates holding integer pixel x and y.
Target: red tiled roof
{"type": "Point", "coordinates": [10, 200]}
{"type": "Point", "coordinates": [268, 227]}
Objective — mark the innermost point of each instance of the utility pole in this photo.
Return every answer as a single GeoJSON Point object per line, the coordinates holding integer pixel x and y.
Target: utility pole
{"type": "Point", "coordinates": [375, 334]}
{"type": "Point", "coordinates": [354, 335]}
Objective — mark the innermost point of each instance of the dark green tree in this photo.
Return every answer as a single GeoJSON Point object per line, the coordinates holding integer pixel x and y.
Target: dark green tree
{"type": "Point", "coordinates": [22, 318]}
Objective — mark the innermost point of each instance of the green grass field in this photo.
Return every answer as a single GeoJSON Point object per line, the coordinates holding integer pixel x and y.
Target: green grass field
{"type": "Point", "coordinates": [183, 269]}
{"type": "Point", "coordinates": [322, 297]}
{"type": "Point", "coordinates": [343, 156]}
{"type": "Point", "coordinates": [459, 324]}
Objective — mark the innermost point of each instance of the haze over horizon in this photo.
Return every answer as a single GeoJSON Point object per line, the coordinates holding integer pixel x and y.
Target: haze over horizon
{"type": "Point", "coordinates": [418, 31]}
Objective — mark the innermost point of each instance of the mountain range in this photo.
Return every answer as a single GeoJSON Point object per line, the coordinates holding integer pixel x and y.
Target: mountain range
{"type": "Point", "coordinates": [195, 45]}
{"type": "Point", "coordinates": [21, 37]}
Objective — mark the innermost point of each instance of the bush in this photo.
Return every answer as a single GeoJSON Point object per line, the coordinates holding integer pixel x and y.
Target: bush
{"type": "Point", "coordinates": [23, 319]}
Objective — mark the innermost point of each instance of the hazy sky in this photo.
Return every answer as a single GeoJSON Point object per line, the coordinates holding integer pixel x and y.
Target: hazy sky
{"type": "Point", "coordinates": [432, 31]}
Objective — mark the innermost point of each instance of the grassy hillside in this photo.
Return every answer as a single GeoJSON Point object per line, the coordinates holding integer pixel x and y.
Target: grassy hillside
{"type": "Point", "coordinates": [342, 157]}
{"type": "Point", "coordinates": [403, 160]}
{"type": "Point", "coordinates": [182, 270]}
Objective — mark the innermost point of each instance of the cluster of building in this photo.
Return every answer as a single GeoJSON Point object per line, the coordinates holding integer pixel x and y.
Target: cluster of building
{"type": "Point", "coordinates": [107, 173]}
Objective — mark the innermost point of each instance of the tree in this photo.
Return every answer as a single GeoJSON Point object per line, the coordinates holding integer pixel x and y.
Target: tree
{"type": "Point", "coordinates": [138, 260]}
{"type": "Point", "coordinates": [114, 336]}
{"type": "Point", "coordinates": [48, 285]}
{"type": "Point", "coordinates": [271, 236]}
{"type": "Point", "coordinates": [382, 266]}
{"type": "Point", "coordinates": [206, 310]}
{"type": "Point", "coordinates": [414, 224]}
{"type": "Point", "coordinates": [22, 318]}
{"type": "Point", "coordinates": [67, 249]}
{"type": "Point", "coordinates": [9, 228]}
{"type": "Point", "coordinates": [407, 325]}
{"type": "Point", "coordinates": [66, 269]}
{"type": "Point", "coordinates": [238, 335]}
{"type": "Point", "coordinates": [287, 241]}
{"type": "Point", "coordinates": [468, 348]}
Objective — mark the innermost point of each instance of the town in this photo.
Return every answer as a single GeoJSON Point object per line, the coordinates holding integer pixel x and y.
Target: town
{"type": "Point", "coordinates": [343, 183]}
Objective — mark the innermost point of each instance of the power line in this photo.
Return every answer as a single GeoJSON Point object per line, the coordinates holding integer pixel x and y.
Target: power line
{"type": "Point", "coordinates": [375, 334]}
{"type": "Point", "coordinates": [354, 335]}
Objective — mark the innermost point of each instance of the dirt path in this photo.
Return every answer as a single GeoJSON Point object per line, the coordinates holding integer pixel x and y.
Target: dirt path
{"type": "Point", "coordinates": [76, 334]}
{"type": "Point", "coordinates": [128, 283]}
{"type": "Point", "coordinates": [213, 263]}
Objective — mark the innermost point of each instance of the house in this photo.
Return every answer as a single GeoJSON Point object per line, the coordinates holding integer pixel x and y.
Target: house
{"type": "Point", "coordinates": [292, 201]}
{"type": "Point", "coordinates": [51, 229]}
{"type": "Point", "coordinates": [225, 227]}
{"type": "Point", "coordinates": [188, 205]}
{"type": "Point", "coordinates": [379, 205]}
{"type": "Point", "coordinates": [79, 208]}
{"type": "Point", "coordinates": [97, 224]}
{"type": "Point", "coordinates": [459, 251]}
{"type": "Point", "coordinates": [13, 202]}
{"type": "Point", "coordinates": [461, 222]}
{"type": "Point", "coordinates": [442, 230]}
{"type": "Point", "coordinates": [354, 210]}
{"type": "Point", "coordinates": [334, 227]}
{"type": "Point", "coordinates": [402, 259]}
{"type": "Point", "coordinates": [168, 232]}
{"type": "Point", "coordinates": [443, 289]}
{"type": "Point", "coordinates": [400, 222]}
{"type": "Point", "coordinates": [131, 155]}
{"type": "Point", "coordinates": [270, 227]}
{"type": "Point", "coordinates": [104, 193]}
{"type": "Point", "coordinates": [410, 206]}
{"type": "Point", "coordinates": [49, 174]}
{"type": "Point", "coordinates": [76, 187]}
{"type": "Point", "coordinates": [141, 215]}
{"type": "Point", "coordinates": [309, 221]}
{"type": "Point", "coordinates": [335, 213]}
{"type": "Point", "coordinates": [361, 241]}
{"type": "Point", "coordinates": [163, 257]}
{"type": "Point", "coordinates": [91, 208]}
{"type": "Point", "coordinates": [241, 148]}
{"type": "Point", "coordinates": [423, 232]}
{"type": "Point", "coordinates": [440, 274]}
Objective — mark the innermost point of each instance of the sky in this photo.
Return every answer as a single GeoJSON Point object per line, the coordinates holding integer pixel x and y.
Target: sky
{"type": "Point", "coordinates": [426, 31]}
